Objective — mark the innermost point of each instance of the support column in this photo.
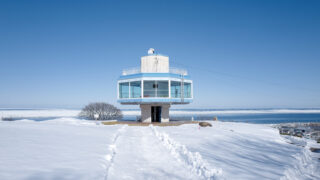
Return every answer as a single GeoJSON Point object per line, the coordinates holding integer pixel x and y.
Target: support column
{"type": "Point", "coordinates": [165, 113]}
{"type": "Point", "coordinates": [145, 113]}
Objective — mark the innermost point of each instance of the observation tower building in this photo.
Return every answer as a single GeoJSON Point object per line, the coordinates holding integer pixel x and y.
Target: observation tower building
{"type": "Point", "coordinates": [155, 87]}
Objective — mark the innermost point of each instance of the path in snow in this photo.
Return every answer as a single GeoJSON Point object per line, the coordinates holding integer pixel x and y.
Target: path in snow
{"type": "Point", "coordinates": [306, 164]}
{"type": "Point", "coordinates": [193, 160]}
{"type": "Point", "coordinates": [112, 148]}
{"type": "Point", "coordinates": [68, 148]}
{"type": "Point", "coordinates": [246, 151]}
{"type": "Point", "coordinates": [140, 155]}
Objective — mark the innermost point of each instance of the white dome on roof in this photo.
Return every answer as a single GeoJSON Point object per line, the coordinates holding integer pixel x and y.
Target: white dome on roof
{"type": "Point", "coordinates": [151, 51]}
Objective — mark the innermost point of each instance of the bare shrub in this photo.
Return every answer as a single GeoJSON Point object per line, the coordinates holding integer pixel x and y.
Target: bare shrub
{"type": "Point", "coordinates": [7, 119]}
{"type": "Point", "coordinates": [104, 110]}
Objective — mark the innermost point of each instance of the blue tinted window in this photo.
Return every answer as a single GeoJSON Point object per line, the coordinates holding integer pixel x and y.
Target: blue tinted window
{"type": "Point", "coordinates": [135, 89]}
{"type": "Point", "coordinates": [187, 90]}
{"type": "Point", "coordinates": [124, 90]}
{"type": "Point", "coordinates": [175, 89]}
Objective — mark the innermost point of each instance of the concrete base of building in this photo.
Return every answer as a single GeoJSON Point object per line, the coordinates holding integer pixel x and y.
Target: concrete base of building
{"type": "Point", "coordinates": [154, 113]}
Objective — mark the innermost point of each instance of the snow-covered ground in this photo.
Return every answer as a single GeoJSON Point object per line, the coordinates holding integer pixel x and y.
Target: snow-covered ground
{"type": "Point", "coordinates": [69, 148]}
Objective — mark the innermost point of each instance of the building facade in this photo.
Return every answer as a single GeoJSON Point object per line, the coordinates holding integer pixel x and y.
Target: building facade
{"type": "Point", "coordinates": [155, 87]}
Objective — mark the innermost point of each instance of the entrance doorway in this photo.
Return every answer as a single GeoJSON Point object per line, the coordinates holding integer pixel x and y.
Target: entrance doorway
{"type": "Point", "coordinates": [155, 113]}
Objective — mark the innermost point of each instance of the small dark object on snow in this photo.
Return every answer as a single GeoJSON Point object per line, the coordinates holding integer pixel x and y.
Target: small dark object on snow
{"type": "Point", "coordinates": [317, 150]}
{"type": "Point", "coordinates": [204, 124]}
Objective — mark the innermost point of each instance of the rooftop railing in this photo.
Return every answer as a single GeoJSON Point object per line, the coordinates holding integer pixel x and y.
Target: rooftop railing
{"type": "Point", "coordinates": [129, 71]}
{"type": "Point", "coordinates": [136, 70]}
{"type": "Point", "coordinates": [174, 70]}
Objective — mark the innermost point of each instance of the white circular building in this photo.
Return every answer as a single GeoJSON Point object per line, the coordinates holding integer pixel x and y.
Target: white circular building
{"type": "Point", "coordinates": [155, 87]}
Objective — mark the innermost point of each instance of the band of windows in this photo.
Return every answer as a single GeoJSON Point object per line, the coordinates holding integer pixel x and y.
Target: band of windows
{"type": "Point", "coordinates": [151, 89]}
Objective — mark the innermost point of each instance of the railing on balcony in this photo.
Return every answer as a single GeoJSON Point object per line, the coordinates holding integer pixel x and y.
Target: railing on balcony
{"type": "Point", "coordinates": [174, 70]}
{"type": "Point", "coordinates": [137, 70]}
{"type": "Point", "coordinates": [130, 71]}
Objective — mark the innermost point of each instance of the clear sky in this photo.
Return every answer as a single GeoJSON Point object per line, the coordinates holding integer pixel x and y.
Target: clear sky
{"type": "Point", "coordinates": [240, 54]}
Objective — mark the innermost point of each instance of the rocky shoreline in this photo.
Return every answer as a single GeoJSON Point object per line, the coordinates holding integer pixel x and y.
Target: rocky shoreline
{"type": "Point", "coordinates": [306, 130]}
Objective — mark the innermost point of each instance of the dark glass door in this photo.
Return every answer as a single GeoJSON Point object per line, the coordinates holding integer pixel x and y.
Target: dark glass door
{"type": "Point", "coordinates": [155, 113]}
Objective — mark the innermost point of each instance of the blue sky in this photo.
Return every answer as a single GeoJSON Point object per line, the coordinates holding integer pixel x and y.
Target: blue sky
{"type": "Point", "coordinates": [240, 54]}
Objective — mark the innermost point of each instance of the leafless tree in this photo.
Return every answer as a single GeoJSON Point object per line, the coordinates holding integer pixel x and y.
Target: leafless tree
{"type": "Point", "coordinates": [104, 110]}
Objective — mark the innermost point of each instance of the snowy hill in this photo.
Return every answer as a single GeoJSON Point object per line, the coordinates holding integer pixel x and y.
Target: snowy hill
{"type": "Point", "coordinates": [68, 148]}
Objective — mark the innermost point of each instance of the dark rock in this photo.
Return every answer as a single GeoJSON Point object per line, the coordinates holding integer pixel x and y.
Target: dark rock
{"type": "Point", "coordinates": [204, 124]}
{"type": "Point", "coordinates": [317, 150]}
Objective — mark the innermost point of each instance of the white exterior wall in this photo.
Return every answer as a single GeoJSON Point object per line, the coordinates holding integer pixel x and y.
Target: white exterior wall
{"type": "Point", "coordinates": [154, 64]}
